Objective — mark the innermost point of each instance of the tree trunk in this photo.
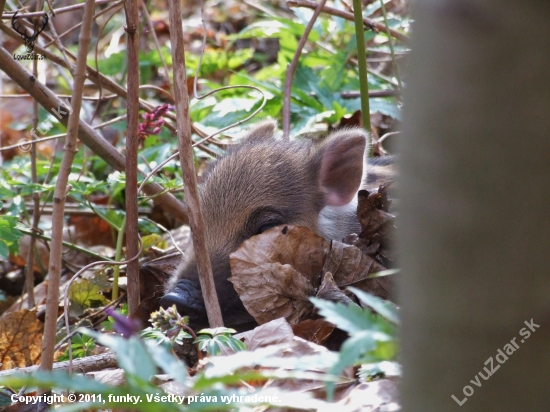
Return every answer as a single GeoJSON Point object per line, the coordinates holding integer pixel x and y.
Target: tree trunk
{"type": "Point", "coordinates": [474, 227]}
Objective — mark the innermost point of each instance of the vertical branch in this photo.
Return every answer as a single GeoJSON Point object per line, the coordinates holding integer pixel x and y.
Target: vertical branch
{"type": "Point", "coordinates": [390, 40]}
{"type": "Point", "coordinates": [69, 151]}
{"type": "Point", "coordinates": [29, 276]}
{"type": "Point", "coordinates": [188, 167]}
{"type": "Point", "coordinates": [362, 61]}
{"type": "Point", "coordinates": [132, 272]}
{"type": "Point", "coordinates": [292, 69]}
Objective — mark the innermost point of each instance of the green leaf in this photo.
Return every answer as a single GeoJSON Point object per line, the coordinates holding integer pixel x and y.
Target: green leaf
{"type": "Point", "coordinates": [385, 308]}
{"type": "Point", "coordinates": [168, 362]}
{"type": "Point", "coordinates": [132, 355]}
{"type": "Point", "coordinates": [4, 250]}
{"type": "Point", "coordinates": [87, 292]}
{"type": "Point", "coordinates": [351, 318]}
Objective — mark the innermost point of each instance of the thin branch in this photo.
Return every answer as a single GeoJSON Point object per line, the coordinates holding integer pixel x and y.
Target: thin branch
{"type": "Point", "coordinates": [374, 25]}
{"type": "Point", "coordinates": [87, 364]}
{"type": "Point", "coordinates": [291, 69]}
{"type": "Point", "coordinates": [29, 276]}
{"type": "Point", "coordinates": [188, 167]}
{"type": "Point", "coordinates": [132, 142]}
{"type": "Point", "coordinates": [61, 189]}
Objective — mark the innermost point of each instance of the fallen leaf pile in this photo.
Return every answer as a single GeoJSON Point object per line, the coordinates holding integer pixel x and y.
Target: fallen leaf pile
{"type": "Point", "coordinates": [277, 272]}
{"type": "Point", "coordinates": [20, 339]}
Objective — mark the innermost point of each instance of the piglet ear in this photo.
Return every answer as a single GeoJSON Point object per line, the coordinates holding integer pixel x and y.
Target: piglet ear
{"type": "Point", "coordinates": [263, 130]}
{"type": "Point", "coordinates": [341, 165]}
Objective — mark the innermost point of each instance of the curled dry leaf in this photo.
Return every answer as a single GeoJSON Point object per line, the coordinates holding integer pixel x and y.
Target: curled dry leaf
{"type": "Point", "coordinates": [20, 339]}
{"type": "Point", "coordinates": [277, 272]}
{"type": "Point", "coordinates": [377, 225]}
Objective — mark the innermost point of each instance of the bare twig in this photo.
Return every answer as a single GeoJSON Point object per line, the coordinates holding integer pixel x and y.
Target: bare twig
{"type": "Point", "coordinates": [292, 68]}
{"type": "Point", "coordinates": [348, 16]}
{"type": "Point", "coordinates": [132, 141]}
{"type": "Point", "coordinates": [52, 302]}
{"type": "Point", "coordinates": [188, 167]}
{"type": "Point", "coordinates": [29, 276]}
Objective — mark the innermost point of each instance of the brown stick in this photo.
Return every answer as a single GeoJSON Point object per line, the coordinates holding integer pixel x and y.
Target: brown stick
{"type": "Point", "coordinates": [348, 16]}
{"type": "Point", "coordinates": [82, 365]}
{"type": "Point", "coordinates": [56, 248]}
{"type": "Point", "coordinates": [292, 68]}
{"type": "Point", "coordinates": [188, 167]}
{"type": "Point", "coordinates": [132, 31]}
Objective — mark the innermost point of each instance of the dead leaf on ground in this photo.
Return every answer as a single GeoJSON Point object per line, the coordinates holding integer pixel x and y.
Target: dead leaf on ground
{"type": "Point", "coordinates": [277, 272]}
{"type": "Point", "coordinates": [20, 340]}
{"type": "Point", "coordinates": [316, 331]}
{"type": "Point", "coordinates": [272, 333]}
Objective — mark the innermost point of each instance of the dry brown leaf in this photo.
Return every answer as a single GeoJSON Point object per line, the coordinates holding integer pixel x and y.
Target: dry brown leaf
{"type": "Point", "coordinates": [316, 331]}
{"type": "Point", "coordinates": [351, 267]}
{"type": "Point", "coordinates": [272, 333]}
{"type": "Point", "coordinates": [277, 272]}
{"type": "Point", "coordinates": [376, 237]}
{"type": "Point", "coordinates": [273, 290]}
{"type": "Point", "coordinates": [329, 290]}
{"type": "Point", "coordinates": [20, 340]}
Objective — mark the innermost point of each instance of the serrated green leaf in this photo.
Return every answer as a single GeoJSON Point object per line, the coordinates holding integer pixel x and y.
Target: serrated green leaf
{"type": "Point", "coordinates": [351, 318]}
{"type": "Point", "coordinates": [385, 308]}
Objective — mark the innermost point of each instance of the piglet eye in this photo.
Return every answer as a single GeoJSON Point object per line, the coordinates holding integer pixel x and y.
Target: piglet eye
{"type": "Point", "coordinates": [267, 226]}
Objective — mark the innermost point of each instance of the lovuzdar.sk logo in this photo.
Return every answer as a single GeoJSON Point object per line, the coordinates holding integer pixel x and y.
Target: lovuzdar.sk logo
{"type": "Point", "coordinates": [16, 23]}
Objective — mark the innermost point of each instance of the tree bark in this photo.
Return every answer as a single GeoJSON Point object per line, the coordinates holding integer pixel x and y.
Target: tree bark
{"type": "Point", "coordinates": [474, 227]}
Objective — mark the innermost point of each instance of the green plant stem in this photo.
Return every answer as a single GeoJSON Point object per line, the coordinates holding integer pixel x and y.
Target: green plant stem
{"type": "Point", "coordinates": [390, 39]}
{"type": "Point", "coordinates": [362, 61]}
{"type": "Point", "coordinates": [118, 255]}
